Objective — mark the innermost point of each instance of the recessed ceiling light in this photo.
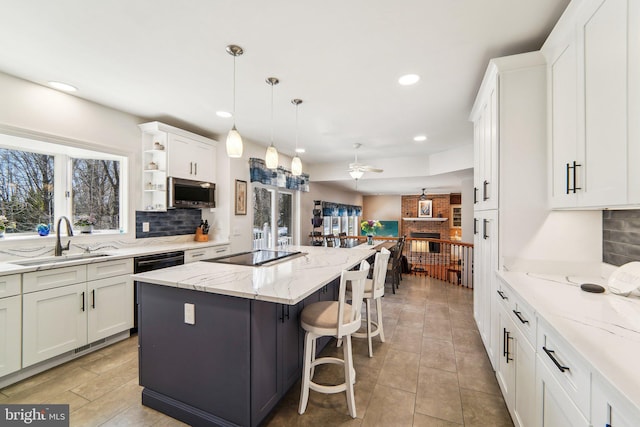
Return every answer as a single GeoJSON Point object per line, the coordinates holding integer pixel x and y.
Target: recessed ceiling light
{"type": "Point", "coordinates": [420, 138]}
{"type": "Point", "coordinates": [224, 114]}
{"type": "Point", "coordinates": [300, 150]}
{"type": "Point", "coordinates": [409, 79]}
{"type": "Point", "coordinates": [63, 86]}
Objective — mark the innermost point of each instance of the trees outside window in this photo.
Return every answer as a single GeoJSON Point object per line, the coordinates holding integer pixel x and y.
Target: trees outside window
{"type": "Point", "coordinates": [41, 181]}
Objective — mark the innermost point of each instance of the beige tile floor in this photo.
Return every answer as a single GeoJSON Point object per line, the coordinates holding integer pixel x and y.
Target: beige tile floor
{"type": "Point", "coordinates": [431, 371]}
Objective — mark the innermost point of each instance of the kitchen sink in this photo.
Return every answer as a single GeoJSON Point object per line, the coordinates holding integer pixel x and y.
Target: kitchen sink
{"type": "Point", "coordinates": [57, 259]}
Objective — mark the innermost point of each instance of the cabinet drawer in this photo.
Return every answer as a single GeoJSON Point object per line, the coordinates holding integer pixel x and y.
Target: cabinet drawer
{"type": "Point", "coordinates": [504, 295]}
{"type": "Point", "coordinates": [193, 255]}
{"type": "Point", "coordinates": [9, 285]}
{"type": "Point", "coordinates": [524, 319]}
{"type": "Point", "coordinates": [564, 364]}
{"type": "Point", "coordinates": [56, 277]}
{"type": "Point", "coordinates": [103, 270]}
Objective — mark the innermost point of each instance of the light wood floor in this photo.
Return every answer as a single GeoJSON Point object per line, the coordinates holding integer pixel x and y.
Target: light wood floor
{"type": "Point", "coordinates": [431, 371]}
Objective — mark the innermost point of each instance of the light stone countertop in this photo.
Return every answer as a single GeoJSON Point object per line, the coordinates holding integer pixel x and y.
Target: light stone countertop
{"type": "Point", "coordinates": [603, 328]}
{"type": "Point", "coordinates": [287, 281]}
{"type": "Point", "coordinates": [113, 250]}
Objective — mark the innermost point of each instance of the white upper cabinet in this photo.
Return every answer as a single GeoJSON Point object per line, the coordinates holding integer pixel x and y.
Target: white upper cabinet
{"type": "Point", "coordinates": [589, 66]}
{"type": "Point", "coordinates": [485, 181]}
{"type": "Point", "coordinates": [191, 159]}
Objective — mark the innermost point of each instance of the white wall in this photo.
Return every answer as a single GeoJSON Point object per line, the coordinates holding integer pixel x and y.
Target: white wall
{"type": "Point", "coordinates": [324, 192]}
{"type": "Point", "coordinates": [26, 106]}
{"type": "Point", "coordinates": [382, 208]}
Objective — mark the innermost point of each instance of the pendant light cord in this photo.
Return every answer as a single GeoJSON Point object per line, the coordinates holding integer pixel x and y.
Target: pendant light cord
{"type": "Point", "coordinates": [271, 113]}
{"type": "Point", "coordinates": [296, 129]}
{"type": "Point", "coordinates": [234, 90]}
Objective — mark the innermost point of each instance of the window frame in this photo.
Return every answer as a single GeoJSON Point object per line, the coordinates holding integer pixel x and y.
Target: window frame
{"type": "Point", "coordinates": [275, 191]}
{"type": "Point", "coordinates": [64, 150]}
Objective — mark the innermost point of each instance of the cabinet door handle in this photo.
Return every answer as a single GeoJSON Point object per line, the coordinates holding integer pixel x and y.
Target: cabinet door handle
{"type": "Point", "coordinates": [190, 168]}
{"type": "Point", "coordinates": [281, 314]}
{"type": "Point", "coordinates": [502, 295]}
{"type": "Point", "coordinates": [475, 195]}
{"type": "Point", "coordinates": [575, 168]}
{"type": "Point", "coordinates": [82, 297]}
{"type": "Point", "coordinates": [288, 313]}
{"type": "Point", "coordinates": [484, 190]}
{"type": "Point", "coordinates": [519, 316]}
{"type": "Point", "coordinates": [484, 229]}
{"type": "Point", "coordinates": [507, 356]}
{"type": "Point", "coordinates": [504, 342]}
{"type": "Point", "coordinates": [551, 353]}
{"type": "Point", "coordinates": [475, 226]}
{"type": "Point", "coordinates": [195, 167]}
{"type": "Point", "coordinates": [93, 298]}
{"type": "Point", "coordinates": [568, 187]}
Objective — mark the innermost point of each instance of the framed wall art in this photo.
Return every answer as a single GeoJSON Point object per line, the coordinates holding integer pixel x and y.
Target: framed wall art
{"type": "Point", "coordinates": [241, 197]}
{"type": "Point", "coordinates": [425, 208]}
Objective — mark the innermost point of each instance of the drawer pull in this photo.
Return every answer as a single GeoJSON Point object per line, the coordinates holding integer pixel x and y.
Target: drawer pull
{"type": "Point", "coordinates": [550, 353]}
{"type": "Point", "coordinates": [519, 316]}
{"type": "Point", "coordinates": [197, 255]}
{"type": "Point", "coordinates": [82, 297]}
{"type": "Point", "coordinates": [93, 298]}
{"type": "Point", "coordinates": [502, 295]}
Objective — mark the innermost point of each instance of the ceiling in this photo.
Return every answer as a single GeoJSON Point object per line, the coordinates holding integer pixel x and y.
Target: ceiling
{"type": "Point", "coordinates": [166, 60]}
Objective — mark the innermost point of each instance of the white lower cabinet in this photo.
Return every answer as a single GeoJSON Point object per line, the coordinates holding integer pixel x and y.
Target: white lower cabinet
{"type": "Point", "coordinates": [110, 307]}
{"type": "Point", "coordinates": [64, 318]}
{"type": "Point", "coordinates": [193, 255]}
{"type": "Point", "coordinates": [609, 409]}
{"type": "Point", "coordinates": [515, 370]}
{"type": "Point", "coordinates": [54, 321]}
{"type": "Point", "coordinates": [553, 406]}
{"type": "Point", "coordinates": [10, 334]}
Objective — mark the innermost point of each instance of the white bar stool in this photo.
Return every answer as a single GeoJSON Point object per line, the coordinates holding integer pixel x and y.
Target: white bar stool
{"type": "Point", "coordinates": [338, 319]}
{"type": "Point", "coordinates": [373, 292]}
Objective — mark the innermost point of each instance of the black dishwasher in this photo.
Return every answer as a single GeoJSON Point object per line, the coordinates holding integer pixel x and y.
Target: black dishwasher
{"type": "Point", "coordinates": [145, 263]}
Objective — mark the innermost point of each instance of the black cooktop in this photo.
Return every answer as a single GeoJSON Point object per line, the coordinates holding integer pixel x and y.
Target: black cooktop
{"type": "Point", "coordinates": [253, 258]}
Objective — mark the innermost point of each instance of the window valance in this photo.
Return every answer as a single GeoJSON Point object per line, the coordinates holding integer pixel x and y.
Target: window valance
{"type": "Point", "coordinates": [280, 177]}
{"type": "Point", "coordinates": [339, 209]}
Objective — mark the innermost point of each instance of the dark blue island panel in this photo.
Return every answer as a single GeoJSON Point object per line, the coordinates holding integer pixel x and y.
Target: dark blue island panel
{"type": "Point", "coordinates": [228, 369]}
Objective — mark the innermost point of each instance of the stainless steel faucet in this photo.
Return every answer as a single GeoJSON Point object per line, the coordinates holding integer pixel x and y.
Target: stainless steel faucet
{"type": "Point", "coordinates": [59, 247]}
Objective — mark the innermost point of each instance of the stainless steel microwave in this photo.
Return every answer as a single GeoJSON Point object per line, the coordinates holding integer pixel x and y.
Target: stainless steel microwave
{"type": "Point", "coordinates": [187, 193]}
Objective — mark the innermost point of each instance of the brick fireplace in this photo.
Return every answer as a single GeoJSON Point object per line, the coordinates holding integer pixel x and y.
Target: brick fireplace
{"type": "Point", "coordinates": [441, 208]}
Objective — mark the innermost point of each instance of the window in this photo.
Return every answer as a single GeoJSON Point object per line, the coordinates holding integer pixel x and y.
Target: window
{"type": "Point", "coordinates": [41, 181]}
{"type": "Point", "coordinates": [273, 216]}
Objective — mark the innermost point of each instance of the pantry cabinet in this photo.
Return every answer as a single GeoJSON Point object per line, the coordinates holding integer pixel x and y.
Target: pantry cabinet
{"type": "Point", "coordinates": [590, 61]}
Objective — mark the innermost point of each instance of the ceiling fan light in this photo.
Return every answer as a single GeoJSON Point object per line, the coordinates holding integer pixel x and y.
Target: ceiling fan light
{"type": "Point", "coordinates": [271, 158]}
{"type": "Point", "coordinates": [296, 166]}
{"type": "Point", "coordinates": [356, 174]}
{"type": "Point", "coordinates": [234, 143]}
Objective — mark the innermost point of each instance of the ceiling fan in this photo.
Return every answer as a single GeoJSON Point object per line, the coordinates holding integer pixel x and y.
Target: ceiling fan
{"type": "Point", "coordinates": [356, 169]}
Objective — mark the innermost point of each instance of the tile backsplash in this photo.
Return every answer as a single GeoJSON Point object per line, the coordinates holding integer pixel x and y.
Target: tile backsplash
{"type": "Point", "coordinates": [620, 236]}
{"type": "Point", "coordinates": [170, 223]}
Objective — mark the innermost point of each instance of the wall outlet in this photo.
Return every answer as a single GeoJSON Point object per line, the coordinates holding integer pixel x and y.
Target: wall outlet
{"type": "Point", "coordinates": [189, 314]}
{"type": "Point", "coordinates": [145, 227]}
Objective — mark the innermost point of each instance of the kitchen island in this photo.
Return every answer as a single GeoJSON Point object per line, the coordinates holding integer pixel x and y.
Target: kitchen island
{"type": "Point", "coordinates": [221, 344]}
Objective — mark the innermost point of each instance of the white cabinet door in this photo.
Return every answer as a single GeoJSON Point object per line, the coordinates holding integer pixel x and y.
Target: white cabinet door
{"type": "Point", "coordinates": [486, 151]}
{"type": "Point", "coordinates": [589, 104]}
{"type": "Point", "coordinates": [566, 167]}
{"type": "Point", "coordinates": [609, 408]}
{"type": "Point", "coordinates": [10, 334]}
{"type": "Point", "coordinates": [506, 362]}
{"type": "Point", "coordinates": [525, 381]}
{"type": "Point", "coordinates": [553, 406]}
{"type": "Point", "coordinates": [110, 305]}
{"type": "Point", "coordinates": [53, 321]}
{"type": "Point", "coordinates": [485, 265]}
{"type": "Point", "coordinates": [191, 159]}
{"type": "Point", "coordinates": [603, 60]}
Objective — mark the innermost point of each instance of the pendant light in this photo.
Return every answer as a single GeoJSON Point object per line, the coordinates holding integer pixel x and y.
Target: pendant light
{"type": "Point", "coordinates": [423, 196]}
{"type": "Point", "coordinates": [296, 163]}
{"type": "Point", "coordinates": [271, 158]}
{"type": "Point", "coordinates": [234, 140]}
